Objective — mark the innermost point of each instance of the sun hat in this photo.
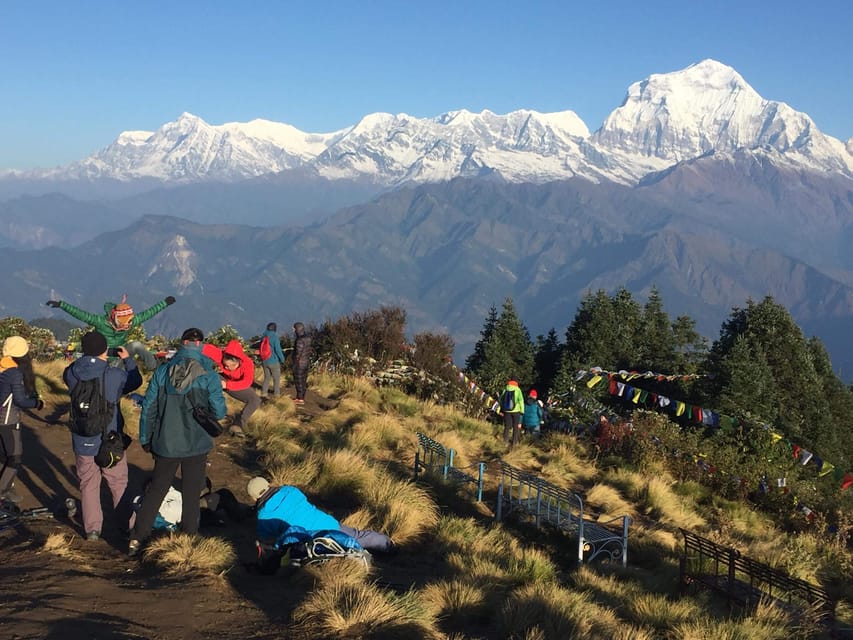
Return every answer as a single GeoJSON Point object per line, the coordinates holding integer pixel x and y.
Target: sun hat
{"type": "Point", "coordinates": [15, 347]}
{"type": "Point", "coordinates": [257, 487]}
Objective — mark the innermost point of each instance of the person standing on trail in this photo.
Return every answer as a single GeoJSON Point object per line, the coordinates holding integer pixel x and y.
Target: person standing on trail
{"type": "Point", "coordinates": [17, 391]}
{"type": "Point", "coordinates": [238, 375]}
{"type": "Point", "coordinates": [168, 430]}
{"type": "Point", "coordinates": [272, 364]}
{"type": "Point", "coordinates": [534, 415]}
{"type": "Point", "coordinates": [301, 360]}
{"type": "Point", "coordinates": [115, 323]}
{"type": "Point", "coordinates": [113, 382]}
{"type": "Point", "coordinates": [512, 408]}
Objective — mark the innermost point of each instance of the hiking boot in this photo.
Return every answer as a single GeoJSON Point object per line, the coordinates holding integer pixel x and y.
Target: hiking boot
{"type": "Point", "coordinates": [298, 401]}
{"type": "Point", "coordinates": [237, 432]}
{"type": "Point", "coordinates": [133, 548]}
{"type": "Point", "coordinates": [93, 536]}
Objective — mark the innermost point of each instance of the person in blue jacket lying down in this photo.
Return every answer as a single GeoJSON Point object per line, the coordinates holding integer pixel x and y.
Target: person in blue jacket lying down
{"type": "Point", "coordinates": [285, 516]}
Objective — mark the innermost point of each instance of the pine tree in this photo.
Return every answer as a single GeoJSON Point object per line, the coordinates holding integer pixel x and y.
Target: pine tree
{"type": "Point", "coordinates": [547, 359]}
{"type": "Point", "coordinates": [508, 353]}
{"type": "Point", "coordinates": [655, 345]}
{"type": "Point", "coordinates": [475, 361]}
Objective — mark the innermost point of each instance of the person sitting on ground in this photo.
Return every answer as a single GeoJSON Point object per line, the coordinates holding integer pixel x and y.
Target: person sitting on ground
{"type": "Point", "coordinates": [533, 414]}
{"type": "Point", "coordinates": [214, 507]}
{"type": "Point", "coordinates": [283, 509]}
{"type": "Point", "coordinates": [238, 375]}
{"type": "Point", "coordinates": [115, 323]}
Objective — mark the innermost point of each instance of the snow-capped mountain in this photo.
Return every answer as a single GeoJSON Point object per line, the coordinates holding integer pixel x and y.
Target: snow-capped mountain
{"type": "Point", "coordinates": [665, 119]}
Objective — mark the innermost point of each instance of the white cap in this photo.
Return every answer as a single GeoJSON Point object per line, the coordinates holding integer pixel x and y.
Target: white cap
{"type": "Point", "coordinates": [257, 487]}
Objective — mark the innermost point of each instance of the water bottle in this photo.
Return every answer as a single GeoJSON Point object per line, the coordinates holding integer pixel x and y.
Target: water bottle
{"type": "Point", "coordinates": [71, 507]}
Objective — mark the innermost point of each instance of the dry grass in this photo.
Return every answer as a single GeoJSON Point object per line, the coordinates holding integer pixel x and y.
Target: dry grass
{"type": "Point", "coordinates": [767, 623]}
{"type": "Point", "coordinates": [345, 609]}
{"type": "Point", "coordinates": [609, 501]}
{"type": "Point", "coordinates": [62, 546]}
{"type": "Point", "coordinates": [180, 553]}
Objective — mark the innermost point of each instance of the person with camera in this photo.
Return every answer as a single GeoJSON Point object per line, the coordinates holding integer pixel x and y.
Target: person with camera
{"type": "Point", "coordinates": [170, 432]}
{"type": "Point", "coordinates": [112, 383]}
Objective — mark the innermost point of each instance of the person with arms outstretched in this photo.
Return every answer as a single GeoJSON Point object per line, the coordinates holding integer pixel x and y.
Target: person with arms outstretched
{"type": "Point", "coordinates": [115, 323]}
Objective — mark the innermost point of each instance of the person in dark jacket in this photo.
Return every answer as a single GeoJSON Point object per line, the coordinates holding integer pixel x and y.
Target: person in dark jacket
{"type": "Point", "coordinates": [534, 415]}
{"type": "Point", "coordinates": [115, 323]}
{"type": "Point", "coordinates": [272, 365]}
{"type": "Point", "coordinates": [115, 383]}
{"type": "Point", "coordinates": [301, 361]}
{"type": "Point", "coordinates": [169, 432]}
{"type": "Point", "coordinates": [17, 391]}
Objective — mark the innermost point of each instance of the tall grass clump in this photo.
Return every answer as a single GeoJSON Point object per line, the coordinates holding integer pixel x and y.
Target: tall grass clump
{"type": "Point", "coordinates": [180, 553]}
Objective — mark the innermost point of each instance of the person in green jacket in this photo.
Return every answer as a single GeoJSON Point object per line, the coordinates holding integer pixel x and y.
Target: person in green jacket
{"type": "Point", "coordinates": [117, 320]}
{"type": "Point", "coordinates": [512, 408]}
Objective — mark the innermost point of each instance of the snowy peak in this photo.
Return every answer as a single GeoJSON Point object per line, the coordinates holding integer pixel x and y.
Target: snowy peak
{"type": "Point", "coordinates": [664, 120]}
{"type": "Point", "coordinates": [707, 107]}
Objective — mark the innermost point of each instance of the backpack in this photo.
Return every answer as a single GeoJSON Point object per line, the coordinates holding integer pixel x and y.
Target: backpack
{"type": "Point", "coordinates": [91, 412]}
{"type": "Point", "coordinates": [181, 376]}
{"type": "Point", "coordinates": [508, 400]}
{"type": "Point", "coordinates": [265, 350]}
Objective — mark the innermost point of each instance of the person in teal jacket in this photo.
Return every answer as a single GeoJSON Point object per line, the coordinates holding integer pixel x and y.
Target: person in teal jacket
{"type": "Point", "coordinates": [512, 408]}
{"type": "Point", "coordinates": [116, 321]}
{"type": "Point", "coordinates": [534, 415]}
{"type": "Point", "coordinates": [272, 365]}
{"type": "Point", "coordinates": [168, 430]}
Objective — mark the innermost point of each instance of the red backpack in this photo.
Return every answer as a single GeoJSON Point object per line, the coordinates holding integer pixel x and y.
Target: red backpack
{"type": "Point", "coordinates": [265, 350]}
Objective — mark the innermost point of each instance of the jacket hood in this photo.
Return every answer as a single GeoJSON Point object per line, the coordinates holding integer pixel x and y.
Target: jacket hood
{"type": "Point", "coordinates": [235, 348]}
{"type": "Point", "coordinates": [88, 367]}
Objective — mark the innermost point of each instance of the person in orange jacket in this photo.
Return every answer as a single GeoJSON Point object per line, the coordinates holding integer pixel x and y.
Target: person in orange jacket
{"type": "Point", "coordinates": [238, 375]}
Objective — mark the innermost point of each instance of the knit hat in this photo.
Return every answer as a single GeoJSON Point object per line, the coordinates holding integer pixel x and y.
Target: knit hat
{"type": "Point", "coordinates": [93, 344]}
{"type": "Point", "coordinates": [121, 315]}
{"type": "Point", "coordinates": [257, 487]}
{"type": "Point", "coordinates": [15, 347]}
{"type": "Point", "coordinates": [512, 383]}
{"type": "Point", "coordinates": [533, 394]}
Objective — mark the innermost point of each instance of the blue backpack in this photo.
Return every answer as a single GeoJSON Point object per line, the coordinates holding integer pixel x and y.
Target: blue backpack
{"type": "Point", "coordinates": [508, 400]}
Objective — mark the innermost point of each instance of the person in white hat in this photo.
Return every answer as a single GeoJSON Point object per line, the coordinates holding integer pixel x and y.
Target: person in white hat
{"type": "Point", "coordinates": [17, 391]}
{"type": "Point", "coordinates": [282, 508]}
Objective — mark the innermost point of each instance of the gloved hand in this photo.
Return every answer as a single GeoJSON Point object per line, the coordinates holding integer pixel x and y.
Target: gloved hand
{"type": "Point", "coordinates": [170, 300]}
{"type": "Point", "coordinates": [147, 447]}
{"type": "Point", "coordinates": [40, 405]}
{"type": "Point", "coordinates": [52, 303]}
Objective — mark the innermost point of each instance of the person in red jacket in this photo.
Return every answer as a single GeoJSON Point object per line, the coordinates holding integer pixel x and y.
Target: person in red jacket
{"type": "Point", "coordinates": [238, 375]}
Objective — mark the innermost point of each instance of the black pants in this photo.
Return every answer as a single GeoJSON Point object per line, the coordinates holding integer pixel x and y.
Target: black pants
{"type": "Point", "coordinates": [300, 381]}
{"type": "Point", "coordinates": [512, 422]}
{"type": "Point", "coordinates": [192, 484]}
{"type": "Point", "coordinates": [12, 450]}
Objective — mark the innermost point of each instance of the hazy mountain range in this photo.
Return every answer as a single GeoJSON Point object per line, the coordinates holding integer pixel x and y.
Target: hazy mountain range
{"type": "Point", "coordinates": [695, 184]}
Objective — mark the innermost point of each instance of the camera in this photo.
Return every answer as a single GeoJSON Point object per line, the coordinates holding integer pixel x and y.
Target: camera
{"type": "Point", "coordinates": [112, 352]}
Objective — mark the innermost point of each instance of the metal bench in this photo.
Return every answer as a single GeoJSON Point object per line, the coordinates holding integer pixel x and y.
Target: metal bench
{"type": "Point", "coordinates": [433, 457]}
{"type": "Point", "coordinates": [745, 581]}
{"type": "Point", "coordinates": [549, 504]}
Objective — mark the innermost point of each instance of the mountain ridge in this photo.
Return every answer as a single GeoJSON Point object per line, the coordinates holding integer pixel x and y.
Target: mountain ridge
{"type": "Point", "coordinates": [664, 119]}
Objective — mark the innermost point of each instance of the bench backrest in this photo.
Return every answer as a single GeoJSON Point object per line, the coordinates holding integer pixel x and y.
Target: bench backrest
{"type": "Point", "coordinates": [702, 556]}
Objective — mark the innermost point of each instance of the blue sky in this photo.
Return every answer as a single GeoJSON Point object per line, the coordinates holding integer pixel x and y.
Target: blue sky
{"type": "Point", "coordinates": [76, 74]}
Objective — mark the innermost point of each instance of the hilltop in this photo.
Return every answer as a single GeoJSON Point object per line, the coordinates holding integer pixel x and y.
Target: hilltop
{"type": "Point", "coordinates": [457, 574]}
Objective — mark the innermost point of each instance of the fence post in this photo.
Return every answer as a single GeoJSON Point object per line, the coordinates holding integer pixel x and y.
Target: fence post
{"type": "Point", "coordinates": [482, 468]}
{"type": "Point", "coordinates": [625, 522]}
{"type": "Point", "coordinates": [499, 508]}
{"type": "Point", "coordinates": [448, 461]}
{"type": "Point", "coordinates": [417, 461]}
{"type": "Point", "coordinates": [581, 541]}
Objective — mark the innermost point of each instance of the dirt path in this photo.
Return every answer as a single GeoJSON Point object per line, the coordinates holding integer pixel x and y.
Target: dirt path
{"type": "Point", "coordinates": [109, 595]}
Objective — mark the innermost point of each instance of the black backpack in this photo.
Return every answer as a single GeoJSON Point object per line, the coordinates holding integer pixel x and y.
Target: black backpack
{"type": "Point", "coordinates": [508, 400]}
{"type": "Point", "coordinates": [91, 412]}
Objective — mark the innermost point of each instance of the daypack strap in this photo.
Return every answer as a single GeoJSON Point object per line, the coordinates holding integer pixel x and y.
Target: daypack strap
{"type": "Point", "coordinates": [7, 404]}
